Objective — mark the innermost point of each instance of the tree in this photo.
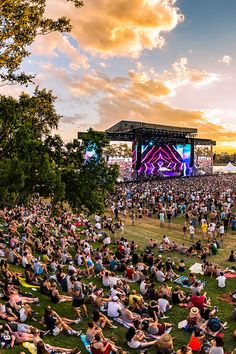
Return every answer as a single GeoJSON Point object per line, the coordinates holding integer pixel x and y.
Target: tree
{"type": "Point", "coordinates": [27, 165]}
{"type": "Point", "coordinates": [88, 182]}
{"type": "Point", "coordinates": [21, 21]}
{"type": "Point", "coordinates": [118, 150]}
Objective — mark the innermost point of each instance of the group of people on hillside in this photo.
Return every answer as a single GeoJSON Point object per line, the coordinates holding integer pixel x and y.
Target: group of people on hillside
{"type": "Point", "coordinates": [55, 254]}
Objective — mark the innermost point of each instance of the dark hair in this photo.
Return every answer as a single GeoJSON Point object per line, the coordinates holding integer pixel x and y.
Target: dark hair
{"type": "Point", "coordinates": [41, 348]}
{"type": "Point", "coordinates": [96, 315]}
{"type": "Point", "coordinates": [130, 334]}
{"type": "Point", "coordinates": [90, 324]}
{"type": "Point", "coordinates": [97, 337]}
{"type": "Point", "coordinates": [219, 341]}
{"type": "Point", "coordinates": [184, 349]}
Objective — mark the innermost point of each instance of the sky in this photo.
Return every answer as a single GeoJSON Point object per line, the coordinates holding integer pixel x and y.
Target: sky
{"type": "Point", "coordinates": [167, 62]}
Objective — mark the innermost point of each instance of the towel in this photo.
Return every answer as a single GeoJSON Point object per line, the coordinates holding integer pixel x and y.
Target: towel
{"type": "Point", "coordinates": [196, 268]}
{"type": "Point", "coordinates": [125, 324]}
{"type": "Point", "coordinates": [182, 279]}
{"type": "Point", "coordinates": [85, 343]}
{"type": "Point", "coordinates": [26, 285]}
{"type": "Point", "coordinates": [31, 347]}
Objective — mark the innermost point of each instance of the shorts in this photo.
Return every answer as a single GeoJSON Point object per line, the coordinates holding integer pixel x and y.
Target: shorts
{"type": "Point", "coordinates": [56, 331]}
{"type": "Point", "coordinates": [23, 328]}
{"type": "Point", "coordinates": [23, 316]}
{"type": "Point", "coordinates": [161, 329]}
{"type": "Point", "coordinates": [77, 302]}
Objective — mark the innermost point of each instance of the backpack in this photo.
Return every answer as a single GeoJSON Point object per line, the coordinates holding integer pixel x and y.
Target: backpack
{"type": "Point", "coordinates": [214, 324]}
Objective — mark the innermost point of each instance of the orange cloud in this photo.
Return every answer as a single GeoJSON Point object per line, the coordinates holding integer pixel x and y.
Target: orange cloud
{"type": "Point", "coordinates": [115, 108]}
{"type": "Point", "coordinates": [120, 27]}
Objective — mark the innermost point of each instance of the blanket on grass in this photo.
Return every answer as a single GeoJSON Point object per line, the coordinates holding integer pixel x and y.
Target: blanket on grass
{"type": "Point", "coordinates": [130, 324]}
{"type": "Point", "coordinates": [182, 280]}
{"type": "Point", "coordinates": [196, 268]}
{"type": "Point", "coordinates": [26, 285]}
{"type": "Point", "coordinates": [227, 298]}
{"type": "Point", "coordinates": [230, 275]}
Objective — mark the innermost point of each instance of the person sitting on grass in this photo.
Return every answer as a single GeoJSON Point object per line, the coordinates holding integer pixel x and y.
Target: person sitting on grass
{"type": "Point", "coordinates": [55, 324]}
{"type": "Point", "coordinates": [217, 346]}
{"type": "Point", "coordinates": [99, 345]}
{"type": "Point", "coordinates": [92, 330]}
{"type": "Point", "coordinates": [99, 319]}
{"type": "Point", "coordinates": [196, 340]}
{"type": "Point", "coordinates": [136, 339]}
{"type": "Point", "coordinates": [232, 257]}
{"type": "Point", "coordinates": [179, 297]}
{"type": "Point", "coordinates": [184, 350]}
{"type": "Point", "coordinates": [56, 297]}
{"type": "Point", "coordinates": [194, 319]}
{"type": "Point", "coordinates": [43, 348]}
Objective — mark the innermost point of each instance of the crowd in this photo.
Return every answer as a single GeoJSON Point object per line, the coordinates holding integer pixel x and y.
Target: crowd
{"type": "Point", "coordinates": [55, 254]}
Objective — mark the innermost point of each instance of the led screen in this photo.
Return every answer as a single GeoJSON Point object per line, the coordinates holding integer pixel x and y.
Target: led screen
{"type": "Point", "coordinates": [203, 160]}
{"type": "Point", "coordinates": [163, 160]}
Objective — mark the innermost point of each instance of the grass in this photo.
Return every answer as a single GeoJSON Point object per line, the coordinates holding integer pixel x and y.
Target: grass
{"type": "Point", "coordinates": [141, 232]}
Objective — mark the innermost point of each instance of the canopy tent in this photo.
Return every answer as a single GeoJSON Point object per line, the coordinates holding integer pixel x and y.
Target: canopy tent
{"type": "Point", "coordinates": [230, 168]}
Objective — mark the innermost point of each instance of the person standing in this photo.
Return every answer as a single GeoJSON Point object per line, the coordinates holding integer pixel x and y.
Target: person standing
{"type": "Point", "coordinates": [192, 232]}
{"type": "Point", "coordinates": [78, 297]}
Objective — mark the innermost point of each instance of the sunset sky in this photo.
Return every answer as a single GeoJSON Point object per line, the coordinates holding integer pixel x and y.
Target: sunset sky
{"type": "Point", "coordinates": [161, 61]}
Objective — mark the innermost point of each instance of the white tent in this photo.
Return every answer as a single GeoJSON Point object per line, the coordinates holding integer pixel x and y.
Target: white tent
{"type": "Point", "coordinates": [230, 168]}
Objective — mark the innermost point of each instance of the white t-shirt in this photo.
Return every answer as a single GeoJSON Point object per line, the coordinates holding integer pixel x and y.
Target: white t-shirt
{"type": "Point", "coordinates": [222, 229]}
{"type": "Point", "coordinates": [98, 226]}
{"type": "Point", "coordinates": [163, 303]}
{"type": "Point", "coordinates": [191, 229]}
{"type": "Point", "coordinates": [221, 281]}
{"type": "Point", "coordinates": [143, 288]}
{"type": "Point", "coordinates": [113, 309]}
{"type": "Point", "coordinates": [160, 276]}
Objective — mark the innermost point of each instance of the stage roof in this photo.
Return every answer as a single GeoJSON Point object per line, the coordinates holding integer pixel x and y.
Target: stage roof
{"type": "Point", "coordinates": [128, 130]}
{"type": "Point", "coordinates": [128, 126]}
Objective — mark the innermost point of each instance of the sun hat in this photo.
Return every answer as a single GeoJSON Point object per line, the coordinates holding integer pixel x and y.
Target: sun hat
{"type": "Point", "coordinates": [194, 310]}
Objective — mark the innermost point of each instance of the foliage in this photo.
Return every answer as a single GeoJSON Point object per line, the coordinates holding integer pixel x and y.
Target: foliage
{"type": "Point", "coordinates": [21, 21]}
{"type": "Point", "coordinates": [34, 161]}
{"type": "Point", "coordinates": [26, 166]}
{"type": "Point", "coordinates": [118, 150]}
{"type": "Point", "coordinates": [88, 182]}
{"type": "Point", "coordinates": [224, 158]}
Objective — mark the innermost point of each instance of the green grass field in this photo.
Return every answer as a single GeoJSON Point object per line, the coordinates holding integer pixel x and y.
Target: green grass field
{"type": "Point", "coordinates": [141, 232]}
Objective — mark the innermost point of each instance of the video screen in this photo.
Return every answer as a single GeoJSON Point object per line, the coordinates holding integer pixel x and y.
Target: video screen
{"type": "Point", "coordinates": [163, 160]}
{"type": "Point", "coordinates": [90, 152]}
{"type": "Point", "coordinates": [203, 160]}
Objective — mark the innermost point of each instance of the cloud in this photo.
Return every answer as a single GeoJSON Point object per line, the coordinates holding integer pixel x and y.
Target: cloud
{"type": "Point", "coordinates": [115, 108]}
{"type": "Point", "coordinates": [56, 43]}
{"type": "Point", "coordinates": [120, 27]}
{"type": "Point", "coordinates": [224, 117]}
{"type": "Point", "coordinates": [226, 59]}
{"type": "Point", "coordinates": [184, 75]}
{"type": "Point", "coordinates": [74, 119]}
{"type": "Point", "coordinates": [138, 86]}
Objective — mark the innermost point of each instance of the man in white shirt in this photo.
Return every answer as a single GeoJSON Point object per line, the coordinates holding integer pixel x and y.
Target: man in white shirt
{"type": "Point", "coordinates": [163, 304]}
{"type": "Point", "coordinates": [114, 307]}
{"type": "Point", "coordinates": [222, 231]}
{"type": "Point", "coordinates": [192, 232]}
{"type": "Point", "coordinates": [160, 276]}
{"type": "Point", "coordinates": [221, 280]}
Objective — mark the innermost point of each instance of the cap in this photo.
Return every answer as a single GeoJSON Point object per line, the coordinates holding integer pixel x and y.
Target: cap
{"type": "Point", "coordinates": [115, 298]}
